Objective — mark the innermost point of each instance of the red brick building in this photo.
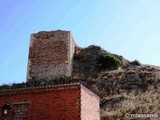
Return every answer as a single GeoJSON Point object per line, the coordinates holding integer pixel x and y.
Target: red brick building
{"type": "Point", "coordinates": [52, 102]}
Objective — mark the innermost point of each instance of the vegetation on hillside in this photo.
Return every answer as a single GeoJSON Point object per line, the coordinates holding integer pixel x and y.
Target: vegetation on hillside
{"type": "Point", "coordinates": [108, 61]}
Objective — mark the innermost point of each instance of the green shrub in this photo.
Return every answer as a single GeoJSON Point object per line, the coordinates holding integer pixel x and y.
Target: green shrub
{"type": "Point", "coordinates": [135, 62]}
{"type": "Point", "coordinates": [108, 61]}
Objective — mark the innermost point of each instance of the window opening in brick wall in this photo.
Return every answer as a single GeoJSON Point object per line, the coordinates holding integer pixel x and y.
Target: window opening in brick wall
{"type": "Point", "coordinates": [20, 111]}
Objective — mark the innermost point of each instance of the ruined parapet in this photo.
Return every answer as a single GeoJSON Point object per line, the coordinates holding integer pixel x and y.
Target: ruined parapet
{"type": "Point", "coordinates": [50, 55]}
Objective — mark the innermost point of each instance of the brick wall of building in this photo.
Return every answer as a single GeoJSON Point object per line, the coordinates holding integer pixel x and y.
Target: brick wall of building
{"type": "Point", "coordinates": [50, 55]}
{"type": "Point", "coordinates": [90, 102]}
{"type": "Point", "coordinates": [63, 102]}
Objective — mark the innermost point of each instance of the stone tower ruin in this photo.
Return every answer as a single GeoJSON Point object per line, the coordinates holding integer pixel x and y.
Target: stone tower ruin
{"type": "Point", "coordinates": [50, 55]}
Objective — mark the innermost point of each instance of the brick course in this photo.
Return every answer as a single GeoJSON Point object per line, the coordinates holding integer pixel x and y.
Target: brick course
{"type": "Point", "coordinates": [61, 102]}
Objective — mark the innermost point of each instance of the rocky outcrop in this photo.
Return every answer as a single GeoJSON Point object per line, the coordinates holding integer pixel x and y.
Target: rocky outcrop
{"type": "Point", "coordinates": [128, 76]}
{"type": "Point", "coordinates": [118, 87]}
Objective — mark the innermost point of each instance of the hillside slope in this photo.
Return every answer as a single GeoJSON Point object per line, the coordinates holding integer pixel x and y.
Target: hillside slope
{"type": "Point", "coordinates": [130, 87]}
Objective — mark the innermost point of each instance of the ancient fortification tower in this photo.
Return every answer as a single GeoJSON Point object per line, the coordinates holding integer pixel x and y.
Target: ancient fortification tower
{"type": "Point", "coordinates": [50, 55]}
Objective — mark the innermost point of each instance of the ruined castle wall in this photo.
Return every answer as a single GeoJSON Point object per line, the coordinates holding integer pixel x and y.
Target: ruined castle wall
{"type": "Point", "coordinates": [50, 55]}
{"type": "Point", "coordinates": [71, 52]}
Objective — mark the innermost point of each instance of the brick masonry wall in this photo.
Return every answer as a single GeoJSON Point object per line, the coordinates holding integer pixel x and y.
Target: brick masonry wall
{"type": "Point", "coordinates": [50, 55]}
{"type": "Point", "coordinates": [71, 52]}
{"type": "Point", "coordinates": [46, 103]}
{"type": "Point", "coordinates": [64, 102]}
{"type": "Point", "coordinates": [90, 109]}
{"type": "Point", "coordinates": [48, 71]}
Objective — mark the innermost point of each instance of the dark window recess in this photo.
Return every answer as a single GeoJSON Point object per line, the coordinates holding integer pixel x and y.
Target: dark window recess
{"type": "Point", "coordinates": [20, 111]}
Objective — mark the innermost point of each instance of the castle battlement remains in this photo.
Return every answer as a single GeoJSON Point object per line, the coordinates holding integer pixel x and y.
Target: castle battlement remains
{"type": "Point", "coordinates": [50, 55]}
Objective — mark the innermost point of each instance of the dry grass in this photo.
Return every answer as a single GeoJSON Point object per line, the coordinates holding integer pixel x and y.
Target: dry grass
{"type": "Point", "coordinates": [134, 102]}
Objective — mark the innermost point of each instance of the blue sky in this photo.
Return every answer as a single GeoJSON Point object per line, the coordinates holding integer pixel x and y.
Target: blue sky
{"type": "Point", "coordinates": [130, 28]}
